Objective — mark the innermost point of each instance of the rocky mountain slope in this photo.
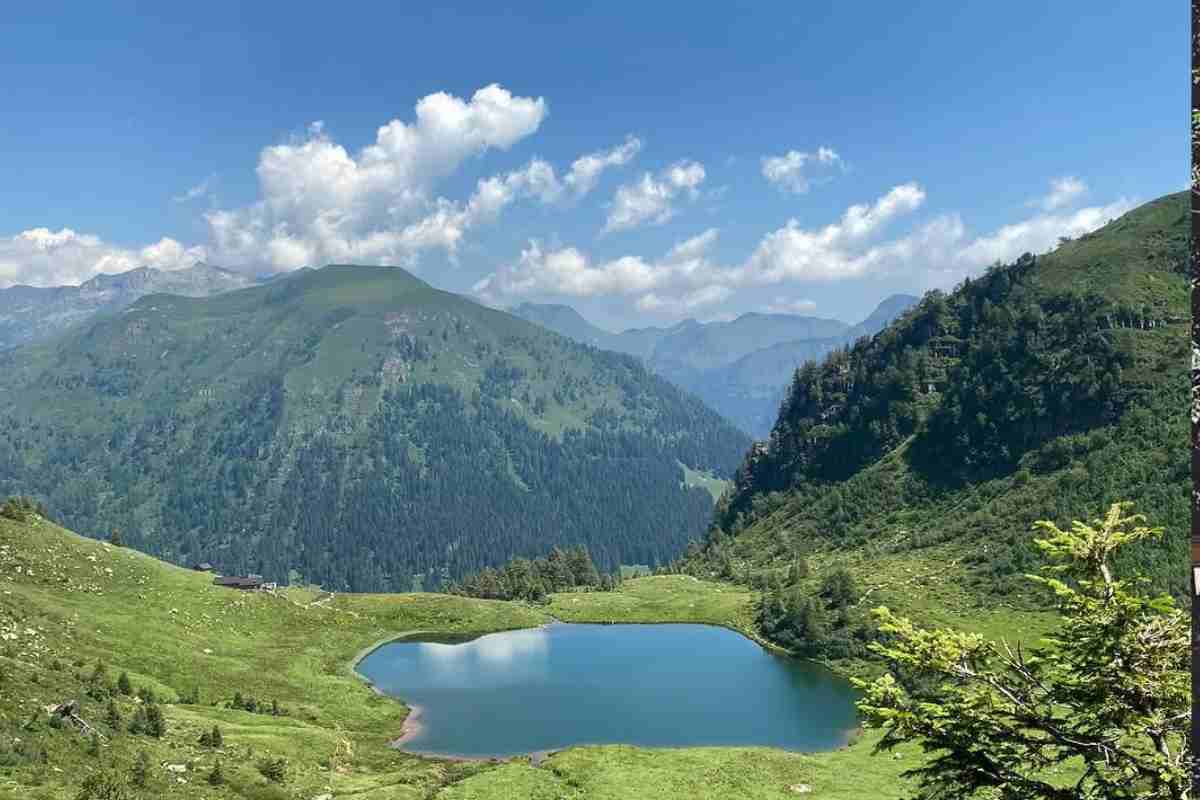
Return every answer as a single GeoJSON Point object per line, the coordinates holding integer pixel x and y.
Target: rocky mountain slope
{"type": "Point", "coordinates": [31, 314]}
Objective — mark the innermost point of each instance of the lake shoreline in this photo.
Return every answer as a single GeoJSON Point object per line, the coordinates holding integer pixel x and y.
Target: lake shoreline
{"type": "Point", "coordinates": [411, 726]}
{"type": "Point", "coordinates": [416, 721]}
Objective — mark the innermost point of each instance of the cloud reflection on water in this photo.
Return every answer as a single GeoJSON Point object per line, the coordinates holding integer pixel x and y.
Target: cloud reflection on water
{"type": "Point", "coordinates": [498, 658]}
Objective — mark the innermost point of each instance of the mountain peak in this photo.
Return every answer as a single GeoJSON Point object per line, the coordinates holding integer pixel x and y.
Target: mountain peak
{"type": "Point", "coordinates": [888, 309]}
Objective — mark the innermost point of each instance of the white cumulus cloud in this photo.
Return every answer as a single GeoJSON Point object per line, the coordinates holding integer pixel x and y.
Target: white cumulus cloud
{"type": "Point", "coordinates": [586, 169]}
{"type": "Point", "coordinates": [1063, 192]}
{"type": "Point", "coordinates": [43, 257]}
{"type": "Point", "coordinates": [319, 203]}
{"type": "Point", "coordinates": [790, 170]}
{"type": "Point", "coordinates": [569, 272]}
{"type": "Point", "coordinates": [1040, 233]}
{"type": "Point", "coordinates": [938, 252]}
{"type": "Point", "coordinates": [800, 254]}
{"type": "Point", "coordinates": [651, 199]}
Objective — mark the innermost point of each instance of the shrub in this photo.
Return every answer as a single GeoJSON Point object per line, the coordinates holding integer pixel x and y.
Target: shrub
{"type": "Point", "coordinates": [273, 769]}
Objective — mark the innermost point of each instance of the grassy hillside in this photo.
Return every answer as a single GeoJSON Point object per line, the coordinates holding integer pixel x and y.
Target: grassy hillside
{"type": "Point", "coordinates": [67, 602]}
{"type": "Point", "coordinates": [355, 427]}
{"type": "Point", "coordinates": [916, 462]}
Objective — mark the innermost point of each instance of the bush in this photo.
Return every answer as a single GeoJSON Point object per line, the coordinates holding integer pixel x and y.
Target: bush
{"type": "Point", "coordinates": [21, 509]}
{"type": "Point", "coordinates": [839, 588]}
{"type": "Point", "coordinates": [273, 769]}
{"type": "Point", "coordinates": [103, 785]}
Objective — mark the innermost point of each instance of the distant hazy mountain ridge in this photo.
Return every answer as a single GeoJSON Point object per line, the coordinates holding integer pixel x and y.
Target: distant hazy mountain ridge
{"type": "Point", "coordinates": [740, 367]}
{"type": "Point", "coordinates": [30, 313]}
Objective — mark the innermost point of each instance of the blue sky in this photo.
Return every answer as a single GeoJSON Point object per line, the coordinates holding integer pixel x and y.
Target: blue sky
{"type": "Point", "coordinates": [641, 162]}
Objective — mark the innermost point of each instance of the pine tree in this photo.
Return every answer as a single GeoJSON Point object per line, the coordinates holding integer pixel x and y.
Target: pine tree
{"type": "Point", "coordinates": [156, 722]}
{"type": "Point", "coordinates": [798, 571]}
{"type": "Point", "coordinates": [216, 739]}
{"type": "Point", "coordinates": [148, 720]}
{"type": "Point", "coordinates": [1002, 723]}
{"type": "Point", "coordinates": [123, 684]}
{"type": "Point", "coordinates": [216, 777]}
{"type": "Point", "coordinates": [98, 681]}
{"type": "Point", "coordinates": [112, 717]}
{"type": "Point", "coordinates": [103, 785]}
{"type": "Point", "coordinates": [141, 770]}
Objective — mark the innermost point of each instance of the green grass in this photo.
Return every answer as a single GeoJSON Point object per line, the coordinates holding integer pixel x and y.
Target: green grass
{"type": "Point", "coordinates": [659, 598]}
{"type": "Point", "coordinates": [630, 773]}
{"type": "Point", "coordinates": [67, 601]}
{"type": "Point", "coordinates": [715, 486]}
{"type": "Point", "coordinates": [1131, 259]}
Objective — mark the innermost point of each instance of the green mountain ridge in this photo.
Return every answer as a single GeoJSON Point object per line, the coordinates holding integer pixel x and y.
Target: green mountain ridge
{"type": "Point", "coordinates": [354, 426]}
{"type": "Point", "coordinates": [1045, 389]}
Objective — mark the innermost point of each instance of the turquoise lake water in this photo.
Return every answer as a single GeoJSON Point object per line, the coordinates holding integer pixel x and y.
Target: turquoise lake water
{"type": "Point", "coordinates": [651, 685]}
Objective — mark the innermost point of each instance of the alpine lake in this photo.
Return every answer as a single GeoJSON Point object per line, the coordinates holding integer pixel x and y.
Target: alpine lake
{"type": "Point", "coordinates": [561, 685]}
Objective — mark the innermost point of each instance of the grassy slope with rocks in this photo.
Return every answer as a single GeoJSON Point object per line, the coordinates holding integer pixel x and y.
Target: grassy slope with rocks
{"type": "Point", "coordinates": [67, 602]}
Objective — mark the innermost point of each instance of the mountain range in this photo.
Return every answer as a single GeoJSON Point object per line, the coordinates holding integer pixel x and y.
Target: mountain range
{"type": "Point", "coordinates": [355, 427]}
{"type": "Point", "coordinates": [740, 367]}
{"type": "Point", "coordinates": [33, 313]}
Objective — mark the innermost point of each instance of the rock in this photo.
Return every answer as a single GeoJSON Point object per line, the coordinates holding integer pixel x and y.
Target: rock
{"type": "Point", "coordinates": [175, 767]}
{"type": "Point", "coordinates": [326, 796]}
{"type": "Point", "coordinates": [801, 788]}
